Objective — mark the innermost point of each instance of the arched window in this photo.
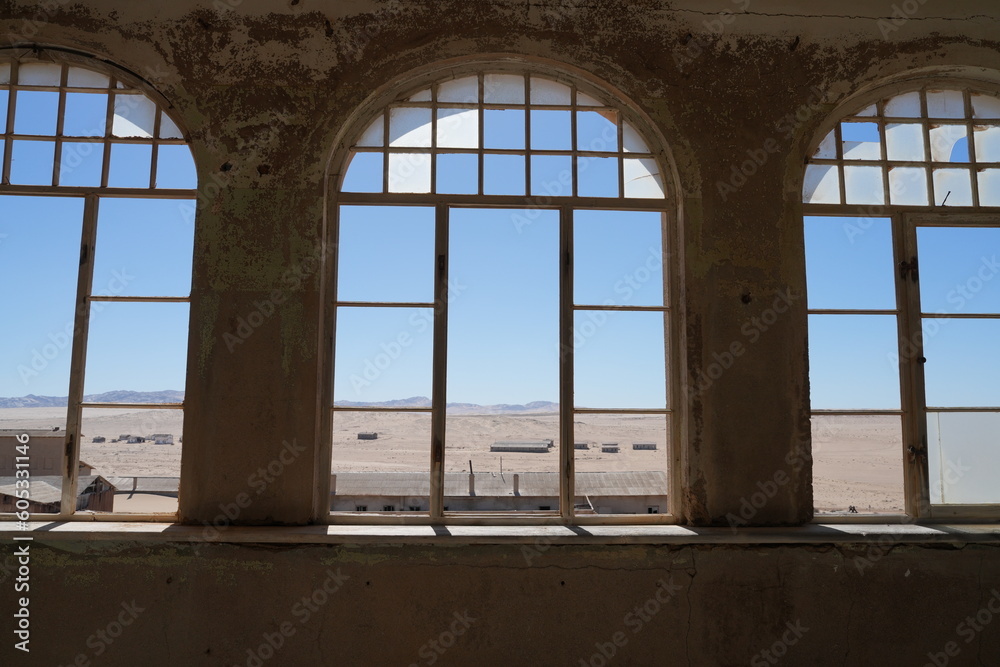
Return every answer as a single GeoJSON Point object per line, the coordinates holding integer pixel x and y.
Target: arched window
{"type": "Point", "coordinates": [902, 225]}
{"type": "Point", "coordinates": [96, 240]}
{"type": "Point", "coordinates": [502, 309]}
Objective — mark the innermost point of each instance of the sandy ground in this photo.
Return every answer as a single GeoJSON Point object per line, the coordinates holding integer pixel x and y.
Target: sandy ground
{"type": "Point", "coordinates": [857, 460]}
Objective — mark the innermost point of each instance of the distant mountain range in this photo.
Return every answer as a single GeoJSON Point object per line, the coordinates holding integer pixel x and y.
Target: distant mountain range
{"type": "Point", "coordinates": [32, 401]}
{"type": "Point", "coordinates": [535, 407]}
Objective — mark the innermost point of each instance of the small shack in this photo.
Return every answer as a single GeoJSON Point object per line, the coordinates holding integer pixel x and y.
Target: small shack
{"type": "Point", "coordinates": [609, 448]}
{"type": "Point", "coordinates": [536, 446]}
{"type": "Point", "coordinates": [368, 435]}
{"type": "Point", "coordinates": [643, 445]}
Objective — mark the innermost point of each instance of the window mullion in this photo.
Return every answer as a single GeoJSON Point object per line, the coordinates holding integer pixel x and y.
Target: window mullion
{"type": "Point", "coordinates": [439, 381]}
{"type": "Point", "coordinates": [567, 472]}
{"type": "Point", "coordinates": [78, 359]}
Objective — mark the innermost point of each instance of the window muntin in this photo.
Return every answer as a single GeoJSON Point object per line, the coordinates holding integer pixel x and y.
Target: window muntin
{"type": "Point", "coordinates": [903, 313]}
{"type": "Point", "coordinates": [533, 149]}
{"type": "Point", "coordinates": [97, 188]}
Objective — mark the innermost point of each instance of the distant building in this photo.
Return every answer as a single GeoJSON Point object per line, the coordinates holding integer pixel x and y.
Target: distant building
{"type": "Point", "coordinates": [135, 439]}
{"type": "Point", "coordinates": [368, 435]}
{"type": "Point", "coordinates": [44, 451]}
{"type": "Point", "coordinates": [162, 439]}
{"type": "Point", "coordinates": [643, 445]}
{"type": "Point", "coordinates": [581, 445]}
{"type": "Point", "coordinates": [94, 493]}
{"type": "Point", "coordinates": [124, 437]}
{"type": "Point", "coordinates": [610, 448]}
{"type": "Point", "coordinates": [538, 446]}
{"type": "Point", "coordinates": [99, 438]}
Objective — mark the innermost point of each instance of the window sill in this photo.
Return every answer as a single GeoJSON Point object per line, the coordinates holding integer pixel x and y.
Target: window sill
{"type": "Point", "coordinates": [107, 531]}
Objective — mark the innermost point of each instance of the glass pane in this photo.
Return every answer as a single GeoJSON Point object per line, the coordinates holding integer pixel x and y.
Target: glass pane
{"type": "Point", "coordinates": [134, 116]}
{"type": "Point", "coordinates": [503, 128]}
{"type": "Point", "coordinates": [985, 106]}
{"type": "Point", "coordinates": [957, 267]}
{"type": "Point", "coordinates": [457, 174]}
{"type": "Point", "coordinates": [621, 463]}
{"type": "Point", "coordinates": [903, 106]}
{"type": "Point", "coordinates": [863, 185]}
{"type": "Point", "coordinates": [962, 363]}
{"type": "Point", "coordinates": [618, 258]}
{"type": "Point", "coordinates": [32, 439]}
{"type": "Point", "coordinates": [36, 112]}
{"type": "Point", "coordinates": [945, 104]}
{"type": "Point", "coordinates": [4, 73]}
{"type": "Point", "coordinates": [849, 263]}
{"type": "Point", "coordinates": [460, 90]}
{"type": "Point", "coordinates": [821, 185]}
{"type": "Point", "coordinates": [989, 187]}
{"type": "Point", "coordinates": [597, 131]}
{"type": "Point", "coordinates": [168, 128]}
{"type": "Point", "coordinates": [503, 89]}
{"type": "Point", "coordinates": [421, 96]}
{"type": "Point", "coordinates": [585, 100]}
{"type": "Point", "coordinates": [410, 127]}
{"type": "Point", "coordinates": [136, 347]}
{"type": "Point", "coordinates": [39, 74]}
{"type": "Point", "coordinates": [130, 165]}
{"type": "Point", "coordinates": [545, 91]}
{"type": "Point", "coordinates": [827, 149]}
{"type": "Point", "coordinates": [987, 143]}
{"type": "Point", "coordinates": [598, 176]}
{"type": "Point", "coordinates": [374, 134]}
{"type": "Point", "coordinates": [459, 128]}
{"type": "Point", "coordinates": [551, 130]}
{"type": "Point", "coordinates": [503, 174]}
{"type": "Point", "coordinates": [905, 141]}
{"type": "Point", "coordinates": [861, 141]}
{"type": "Point", "coordinates": [86, 115]}
{"type": "Point", "coordinates": [619, 359]}
{"type": "Point", "coordinates": [949, 143]}
{"type": "Point", "coordinates": [31, 162]}
{"type": "Point", "coordinates": [642, 179]}
{"type": "Point", "coordinates": [869, 110]}
{"type": "Point", "coordinates": [175, 168]}
{"type": "Point", "coordinates": [4, 96]}
{"type": "Point", "coordinates": [552, 175]}
{"type": "Point", "coordinates": [138, 452]}
{"type": "Point", "coordinates": [383, 357]}
{"type": "Point", "coordinates": [381, 462]}
{"type": "Point", "coordinates": [364, 173]}
{"type": "Point", "coordinates": [409, 172]}
{"type": "Point", "coordinates": [952, 187]}
{"type": "Point", "coordinates": [39, 261]}
{"type": "Point", "coordinates": [632, 140]}
{"type": "Point", "coordinates": [144, 248]}
{"type": "Point", "coordinates": [963, 457]}
{"type": "Point", "coordinates": [853, 362]}
{"type": "Point", "coordinates": [78, 77]}
{"type": "Point", "coordinates": [386, 253]}
{"type": "Point", "coordinates": [857, 463]}
{"type": "Point", "coordinates": [81, 163]}
{"type": "Point", "coordinates": [908, 186]}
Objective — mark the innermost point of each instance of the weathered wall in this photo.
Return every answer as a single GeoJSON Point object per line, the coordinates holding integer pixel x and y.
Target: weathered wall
{"type": "Point", "coordinates": [265, 90]}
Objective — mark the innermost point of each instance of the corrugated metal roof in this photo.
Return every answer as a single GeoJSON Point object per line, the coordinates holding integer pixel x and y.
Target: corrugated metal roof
{"type": "Point", "coordinates": [48, 488]}
{"type": "Point", "coordinates": [638, 483]}
{"type": "Point", "coordinates": [147, 484]}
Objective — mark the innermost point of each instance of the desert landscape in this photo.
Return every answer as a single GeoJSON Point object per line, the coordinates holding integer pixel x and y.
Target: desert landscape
{"type": "Point", "coordinates": [857, 460]}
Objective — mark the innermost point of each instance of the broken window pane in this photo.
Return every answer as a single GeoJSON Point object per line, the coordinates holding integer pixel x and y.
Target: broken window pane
{"type": "Point", "coordinates": [949, 143]}
{"type": "Point", "coordinates": [503, 174]}
{"type": "Point", "coordinates": [908, 186]}
{"type": "Point", "coordinates": [945, 104]}
{"type": "Point", "coordinates": [39, 74]}
{"type": "Point", "coordinates": [168, 128]}
{"type": "Point", "coordinates": [952, 187]}
{"type": "Point", "coordinates": [618, 258]}
{"type": "Point", "coordinates": [78, 77]}
{"type": "Point", "coordinates": [632, 140]}
{"type": "Point", "coordinates": [849, 263]}
{"type": "Point", "coordinates": [989, 187]}
{"type": "Point", "coordinates": [4, 73]}
{"type": "Point", "coordinates": [457, 174]}
{"type": "Point", "coordinates": [130, 165]}
{"type": "Point", "coordinates": [963, 455]}
{"type": "Point", "coordinates": [409, 172]}
{"type": "Point", "coordinates": [585, 100]}
{"type": "Point", "coordinates": [619, 359]}
{"type": "Point", "coordinates": [863, 185]}
{"type": "Point", "coordinates": [906, 105]}
{"type": "Point", "coordinates": [821, 184]}
{"type": "Point", "coordinates": [597, 176]}
{"type": "Point", "coordinates": [597, 131]}
{"type": "Point", "coordinates": [459, 90]}
{"type": "Point", "coordinates": [869, 110]}
{"type": "Point", "coordinates": [459, 128]}
{"type": "Point", "coordinates": [546, 91]}
{"type": "Point", "coordinates": [36, 112]}
{"type": "Point", "coordinates": [86, 115]}
{"type": "Point", "coordinates": [957, 267]}
{"type": "Point", "coordinates": [410, 127]}
{"type": "Point", "coordinates": [905, 141]}
{"type": "Point", "coordinates": [962, 362]}
{"type": "Point", "coordinates": [134, 116]}
{"type": "Point", "coordinates": [364, 173]}
{"type": "Point", "coordinates": [857, 462]}
{"type": "Point", "coordinates": [987, 139]}
{"type": "Point", "coordinates": [503, 128]}
{"type": "Point", "coordinates": [861, 141]}
{"type": "Point", "coordinates": [31, 162]}
{"type": "Point", "coordinates": [81, 163]}
{"type": "Point", "coordinates": [853, 362]}
{"type": "Point", "coordinates": [985, 106]}
{"type": "Point", "coordinates": [398, 236]}
{"type": "Point", "coordinates": [503, 89]}
{"type": "Point", "coordinates": [374, 134]}
{"type": "Point", "coordinates": [642, 179]}
{"type": "Point", "coordinates": [827, 149]}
